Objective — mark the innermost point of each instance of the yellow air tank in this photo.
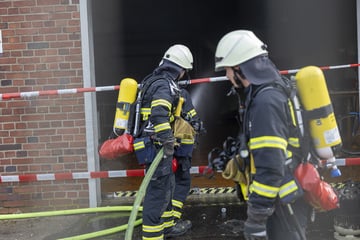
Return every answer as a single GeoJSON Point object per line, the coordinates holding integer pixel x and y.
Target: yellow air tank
{"type": "Point", "coordinates": [315, 99]}
{"type": "Point", "coordinates": [127, 95]}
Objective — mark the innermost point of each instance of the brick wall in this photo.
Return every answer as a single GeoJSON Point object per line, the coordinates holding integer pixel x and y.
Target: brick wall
{"type": "Point", "coordinates": [41, 51]}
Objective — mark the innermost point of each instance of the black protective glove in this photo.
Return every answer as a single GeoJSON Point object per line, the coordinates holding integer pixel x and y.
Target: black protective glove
{"type": "Point", "coordinates": [217, 159]}
{"type": "Point", "coordinates": [220, 162]}
{"type": "Point", "coordinates": [255, 224]}
{"type": "Point", "coordinates": [168, 146]}
{"type": "Point", "coordinates": [198, 127]}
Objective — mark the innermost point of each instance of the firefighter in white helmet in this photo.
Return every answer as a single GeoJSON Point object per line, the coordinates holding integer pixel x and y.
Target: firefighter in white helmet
{"type": "Point", "coordinates": [268, 127]}
{"type": "Point", "coordinates": [186, 139]}
{"type": "Point", "coordinates": [160, 97]}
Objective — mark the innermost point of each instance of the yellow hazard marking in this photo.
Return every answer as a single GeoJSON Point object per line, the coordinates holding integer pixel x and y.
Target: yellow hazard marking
{"type": "Point", "coordinates": [193, 191]}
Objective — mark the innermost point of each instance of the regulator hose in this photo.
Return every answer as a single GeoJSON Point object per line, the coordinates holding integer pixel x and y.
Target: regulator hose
{"type": "Point", "coordinates": [141, 193]}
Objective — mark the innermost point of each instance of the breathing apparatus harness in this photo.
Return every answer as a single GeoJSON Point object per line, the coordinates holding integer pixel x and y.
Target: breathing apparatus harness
{"type": "Point", "coordinates": [237, 147]}
{"type": "Point", "coordinates": [135, 114]}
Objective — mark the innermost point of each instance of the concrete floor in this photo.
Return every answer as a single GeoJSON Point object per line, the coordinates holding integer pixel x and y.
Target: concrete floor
{"type": "Point", "coordinates": [214, 217]}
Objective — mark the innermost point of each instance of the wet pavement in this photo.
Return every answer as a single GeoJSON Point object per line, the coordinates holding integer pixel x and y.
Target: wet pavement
{"type": "Point", "coordinates": [216, 218]}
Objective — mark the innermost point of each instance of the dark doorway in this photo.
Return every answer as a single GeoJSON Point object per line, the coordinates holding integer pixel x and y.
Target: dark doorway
{"type": "Point", "coordinates": [130, 38]}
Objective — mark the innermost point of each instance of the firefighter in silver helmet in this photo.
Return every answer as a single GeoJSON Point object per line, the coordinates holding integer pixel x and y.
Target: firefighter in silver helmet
{"type": "Point", "coordinates": [160, 97]}
{"type": "Point", "coordinates": [268, 127]}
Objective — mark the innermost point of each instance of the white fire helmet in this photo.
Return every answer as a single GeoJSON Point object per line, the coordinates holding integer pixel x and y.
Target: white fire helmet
{"type": "Point", "coordinates": [237, 47]}
{"type": "Point", "coordinates": [180, 55]}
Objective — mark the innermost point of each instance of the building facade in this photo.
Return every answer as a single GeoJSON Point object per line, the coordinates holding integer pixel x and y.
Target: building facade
{"type": "Point", "coordinates": [41, 50]}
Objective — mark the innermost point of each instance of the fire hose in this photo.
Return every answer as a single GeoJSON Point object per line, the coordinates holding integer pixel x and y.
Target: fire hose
{"type": "Point", "coordinates": [141, 193]}
{"type": "Point", "coordinates": [78, 211]}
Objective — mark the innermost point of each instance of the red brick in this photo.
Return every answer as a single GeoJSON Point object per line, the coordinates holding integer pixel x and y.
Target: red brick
{"type": "Point", "coordinates": [25, 189]}
{"type": "Point", "coordinates": [5, 4]}
{"type": "Point", "coordinates": [9, 118]}
{"type": "Point", "coordinates": [60, 16]}
{"type": "Point", "coordinates": [37, 17]}
{"type": "Point", "coordinates": [7, 60]}
{"type": "Point", "coordinates": [14, 203]}
{"type": "Point", "coordinates": [48, 2]}
{"type": "Point", "coordinates": [30, 146]}
{"type": "Point", "coordinates": [24, 3]}
{"type": "Point", "coordinates": [13, 18]}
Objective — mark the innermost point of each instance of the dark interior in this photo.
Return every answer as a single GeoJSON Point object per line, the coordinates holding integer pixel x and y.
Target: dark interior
{"type": "Point", "coordinates": [130, 38]}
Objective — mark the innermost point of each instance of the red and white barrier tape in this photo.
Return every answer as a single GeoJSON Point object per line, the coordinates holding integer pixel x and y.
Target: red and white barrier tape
{"type": "Point", "coordinates": [347, 161]}
{"type": "Point", "coordinates": [322, 68]}
{"type": "Point", "coordinates": [122, 173]}
{"type": "Point", "coordinates": [84, 175]}
{"type": "Point", "coordinates": [7, 96]}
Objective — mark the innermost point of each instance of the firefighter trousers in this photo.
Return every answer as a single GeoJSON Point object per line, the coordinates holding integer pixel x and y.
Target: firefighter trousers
{"type": "Point", "coordinates": [281, 225]}
{"type": "Point", "coordinates": [157, 212]}
{"type": "Point", "coordinates": [182, 185]}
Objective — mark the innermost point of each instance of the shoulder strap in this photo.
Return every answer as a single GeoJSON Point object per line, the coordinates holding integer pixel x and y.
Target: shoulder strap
{"type": "Point", "coordinates": [148, 81]}
{"type": "Point", "coordinates": [301, 118]}
{"type": "Point", "coordinates": [135, 117]}
{"type": "Point", "coordinates": [288, 87]}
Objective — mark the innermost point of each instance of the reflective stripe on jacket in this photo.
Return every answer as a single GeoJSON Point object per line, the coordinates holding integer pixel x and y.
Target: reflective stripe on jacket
{"type": "Point", "coordinates": [158, 105]}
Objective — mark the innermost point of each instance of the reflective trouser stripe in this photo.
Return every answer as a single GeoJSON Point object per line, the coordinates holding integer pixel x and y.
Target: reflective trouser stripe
{"type": "Point", "coordinates": [177, 206]}
{"type": "Point", "coordinates": [168, 224]}
{"type": "Point", "coordinates": [167, 214]}
{"type": "Point", "coordinates": [177, 214]}
{"type": "Point", "coordinates": [288, 188]}
{"type": "Point", "coordinates": [161, 237]}
{"type": "Point", "coordinates": [152, 229]}
{"type": "Point", "coordinates": [177, 203]}
{"type": "Point", "coordinates": [153, 232]}
{"type": "Point", "coordinates": [264, 190]}
{"type": "Point", "coordinates": [168, 219]}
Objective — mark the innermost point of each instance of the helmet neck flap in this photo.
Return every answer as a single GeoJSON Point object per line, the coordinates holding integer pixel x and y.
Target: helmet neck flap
{"type": "Point", "coordinates": [169, 69]}
{"type": "Point", "coordinates": [260, 70]}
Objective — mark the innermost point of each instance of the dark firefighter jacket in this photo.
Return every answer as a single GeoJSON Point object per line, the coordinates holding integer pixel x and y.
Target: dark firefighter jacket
{"type": "Point", "coordinates": [159, 101]}
{"type": "Point", "coordinates": [188, 111]}
{"type": "Point", "coordinates": [270, 127]}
